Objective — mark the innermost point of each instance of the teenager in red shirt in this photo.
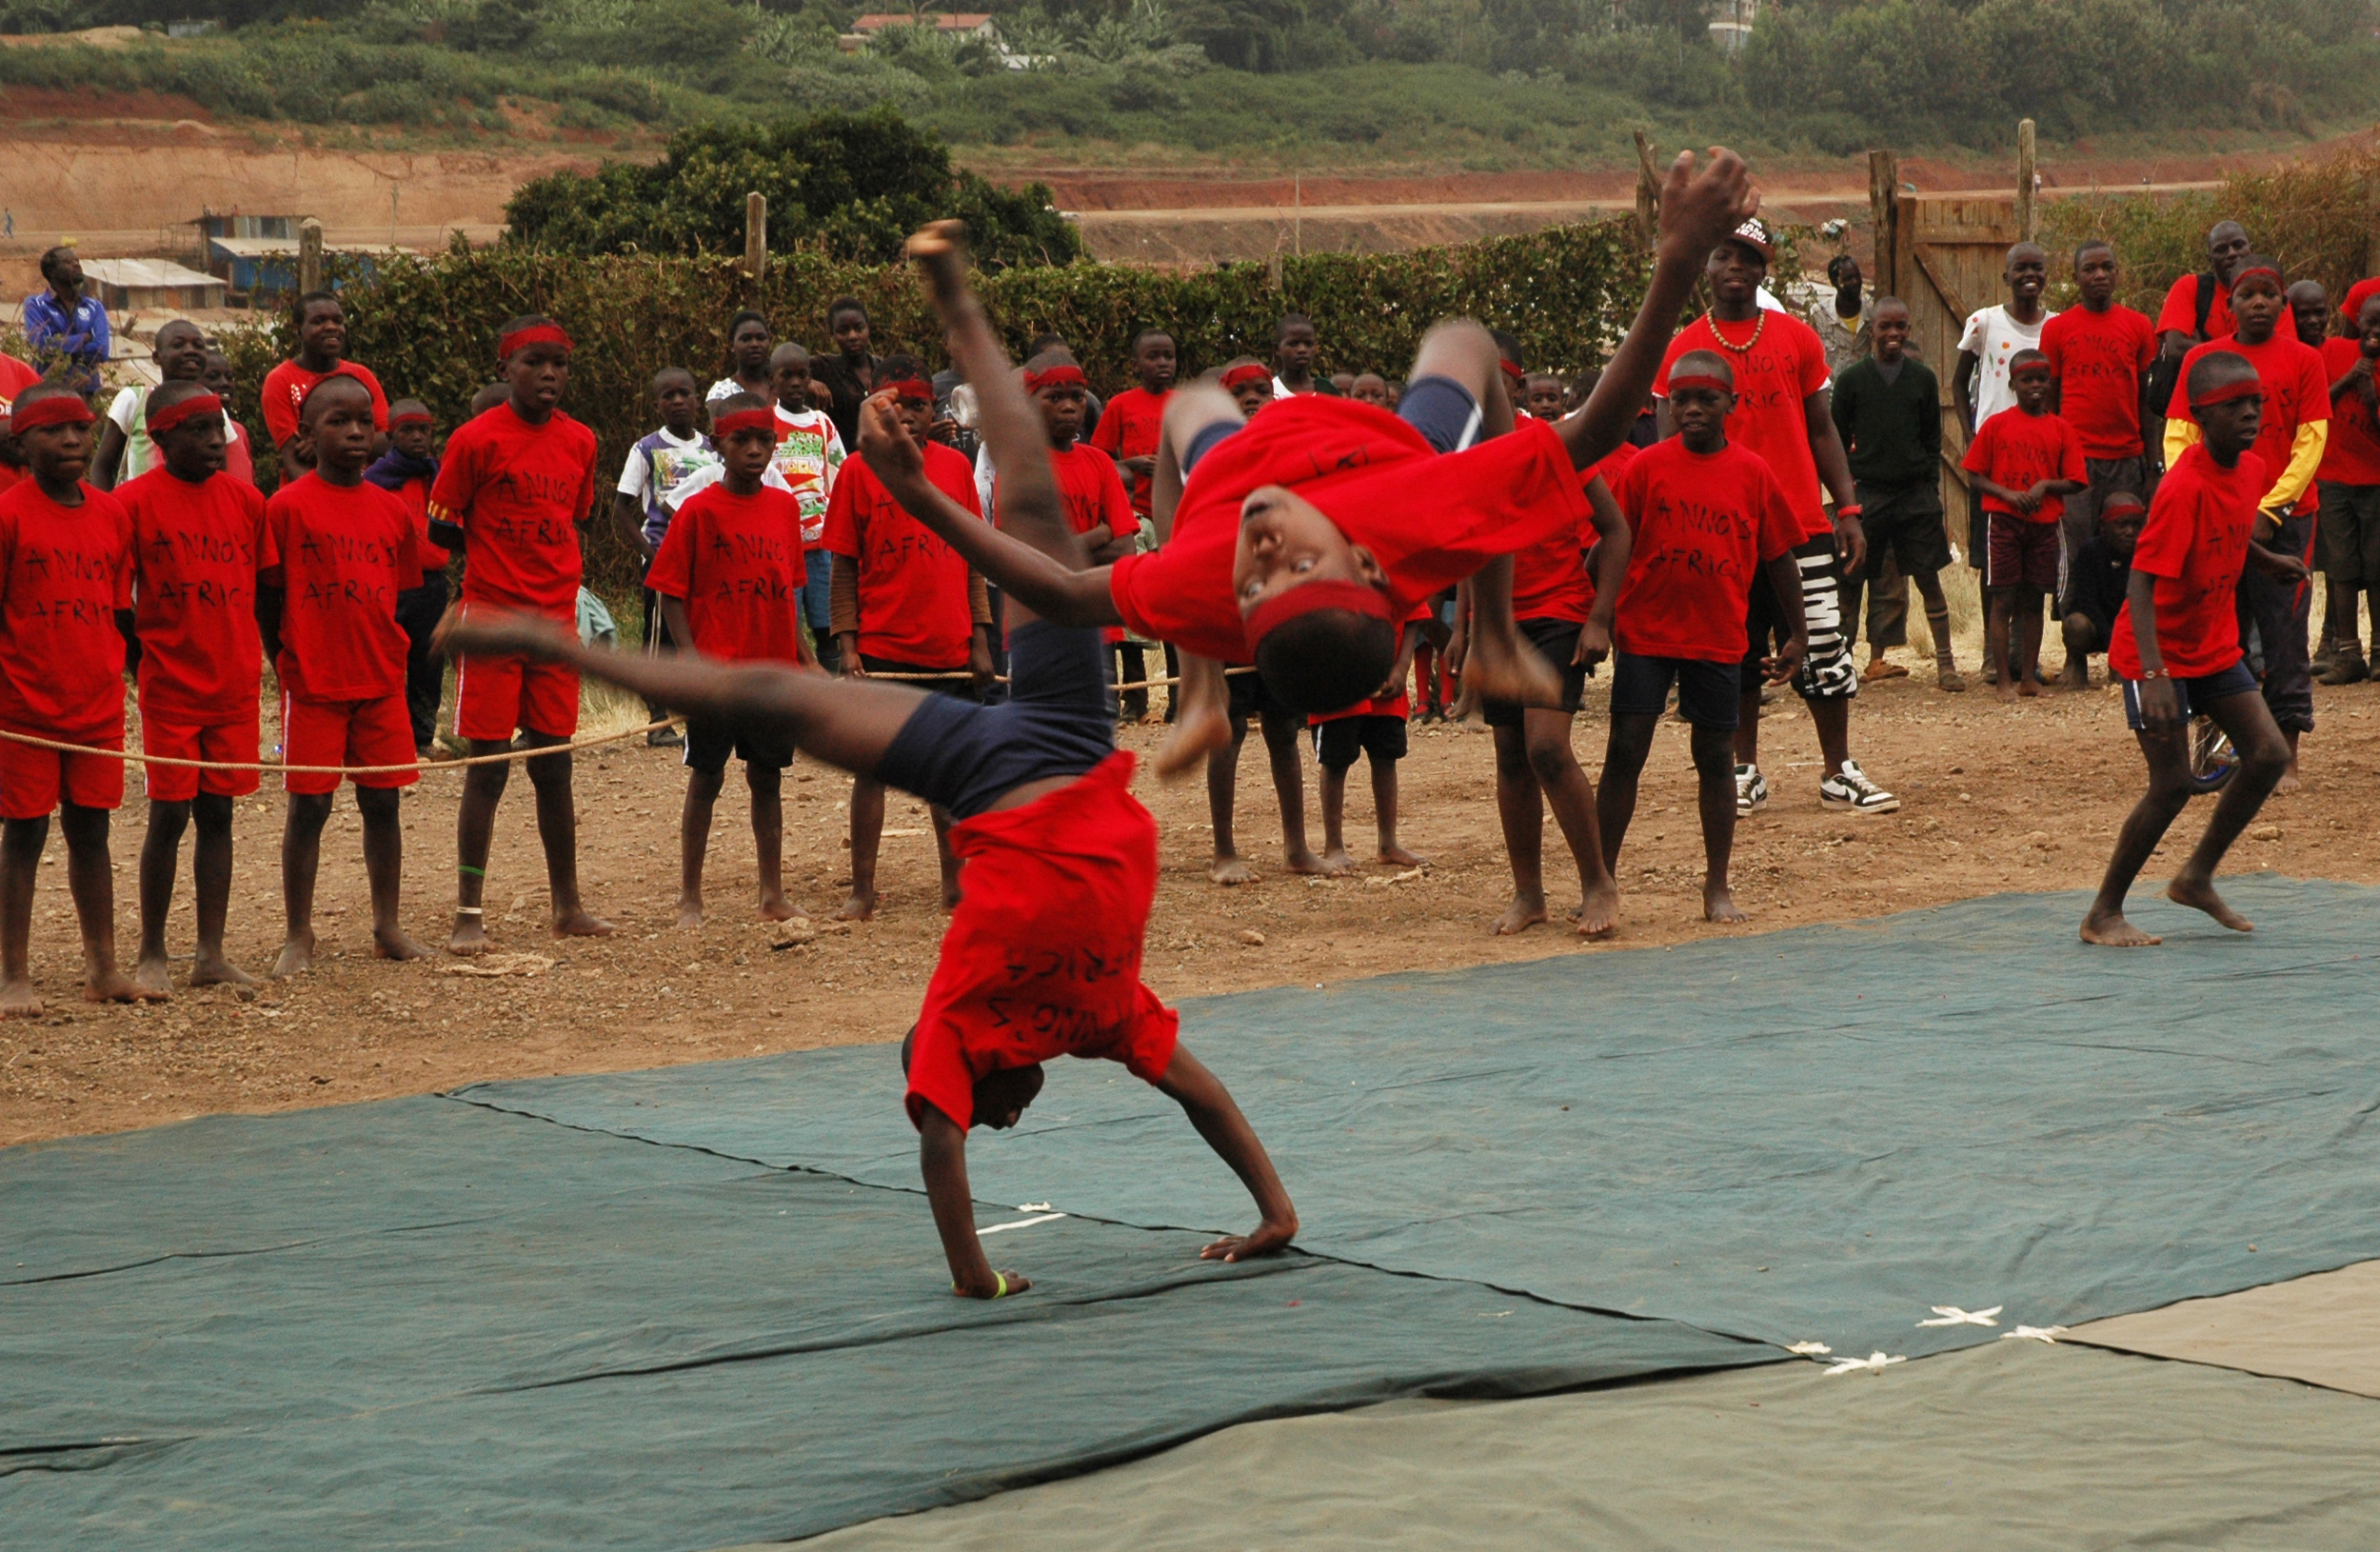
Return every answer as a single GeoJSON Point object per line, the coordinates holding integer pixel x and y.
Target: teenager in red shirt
{"type": "Point", "coordinates": [2349, 480]}
{"type": "Point", "coordinates": [1783, 413]}
{"type": "Point", "coordinates": [1708, 516]}
{"type": "Point", "coordinates": [903, 602]}
{"type": "Point", "coordinates": [1127, 431]}
{"type": "Point", "coordinates": [2176, 647]}
{"type": "Point", "coordinates": [199, 540]}
{"type": "Point", "coordinates": [2025, 462]}
{"type": "Point", "coordinates": [728, 577]}
{"type": "Point", "coordinates": [2197, 309]}
{"type": "Point", "coordinates": [2100, 352]}
{"type": "Point", "coordinates": [322, 331]}
{"type": "Point", "coordinates": [65, 600]}
{"type": "Point", "coordinates": [346, 549]}
{"type": "Point", "coordinates": [516, 482]}
{"type": "Point", "coordinates": [1043, 956]}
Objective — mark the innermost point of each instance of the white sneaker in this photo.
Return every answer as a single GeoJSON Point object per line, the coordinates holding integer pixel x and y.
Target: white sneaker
{"type": "Point", "coordinates": [1752, 790]}
{"type": "Point", "coordinates": [1847, 789]}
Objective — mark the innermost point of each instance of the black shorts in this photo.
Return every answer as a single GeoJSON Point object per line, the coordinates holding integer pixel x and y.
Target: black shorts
{"type": "Point", "coordinates": [1556, 641]}
{"type": "Point", "coordinates": [1827, 672]}
{"type": "Point", "coordinates": [1904, 522]}
{"type": "Point", "coordinates": [958, 685]}
{"type": "Point", "coordinates": [1336, 743]}
{"type": "Point", "coordinates": [2196, 694]}
{"type": "Point", "coordinates": [1059, 720]}
{"type": "Point", "coordinates": [2349, 529]}
{"type": "Point", "coordinates": [708, 745]}
{"type": "Point", "coordinates": [1707, 692]}
{"type": "Point", "coordinates": [1251, 700]}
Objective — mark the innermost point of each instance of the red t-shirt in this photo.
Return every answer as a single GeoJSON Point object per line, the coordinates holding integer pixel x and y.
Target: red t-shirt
{"type": "Point", "coordinates": [2196, 545]}
{"type": "Point", "coordinates": [237, 461]}
{"type": "Point", "coordinates": [197, 552]}
{"type": "Point", "coordinates": [518, 491]}
{"type": "Point", "coordinates": [1785, 365]}
{"type": "Point", "coordinates": [15, 377]}
{"type": "Point", "coordinates": [2180, 312]}
{"type": "Point", "coordinates": [2017, 451]}
{"type": "Point", "coordinates": [415, 494]}
{"type": "Point", "coordinates": [1043, 955]}
{"type": "Point", "coordinates": [286, 386]}
{"type": "Point", "coordinates": [2297, 392]}
{"type": "Point", "coordinates": [1704, 524]}
{"type": "Point", "coordinates": [64, 572]}
{"type": "Point", "coordinates": [2099, 360]}
{"type": "Point", "coordinates": [2352, 454]}
{"type": "Point", "coordinates": [1129, 427]}
{"type": "Point", "coordinates": [1550, 580]}
{"type": "Point", "coordinates": [736, 562]}
{"type": "Point", "coordinates": [346, 553]}
{"type": "Point", "coordinates": [913, 587]}
{"type": "Point", "coordinates": [1430, 521]}
{"type": "Point", "coordinates": [1093, 490]}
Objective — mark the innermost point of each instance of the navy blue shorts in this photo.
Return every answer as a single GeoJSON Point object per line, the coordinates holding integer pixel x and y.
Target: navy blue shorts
{"type": "Point", "coordinates": [2198, 694]}
{"type": "Point", "coordinates": [1706, 691]}
{"type": "Point", "coordinates": [1439, 407]}
{"type": "Point", "coordinates": [1059, 720]}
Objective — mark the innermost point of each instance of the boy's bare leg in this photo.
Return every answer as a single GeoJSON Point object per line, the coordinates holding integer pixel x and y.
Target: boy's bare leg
{"type": "Point", "coordinates": [1202, 725]}
{"type": "Point", "coordinates": [161, 859]}
{"type": "Point", "coordinates": [1625, 751]}
{"type": "Point", "coordinates": [384, 871]}
{"type": "Point", "coordinates": [1521, 815]}
{"type": "Point", "coordinates": [868, 835]}
{"type": "Point", "coordinates": [2028, 641]}
{"type": "Point", "coordinates": [694, 841]}
{"type": "Point", "coordinates": [2000, 606]}
{"type": "Point", "coordinates": [1714, 796]}
{"type": "Point", "coordinates": [90, 878]}
{"type": "Point", "coordinates": [474, 831]}
{"type": "Point", "coordinates": [20, 841]}
{"type": "Point", "coordinates": [1211, 1109]}
{"type": "Point", "coordinates": [946, 857]}
{"type": "Point", "coordinates": [1571, 796]}
{"type": "Point", "coordinates": [767, 784]}
{"type": "Point", "coordinates": [1384, 815]}
{"type": "Point", "coordinates": [2263, 759]}
{"type": "Point", "coordinates": [211, 868]}
{"type": "Point", "coordinates": [2078, 631]}
{"type": "Point", "coordinates": [2166, 750]}
{"type": "Point", "coordinates": [1334, 789]}
{"type": "Point", "coordinates": [1222, 794]}
{"type": "Point", "coordinates": [1280, 730]}
{"type": "Point", "coordinates": [558, 830]}
{"type": "Point", "coordinates": [301, 863]}
{"type": "Point", "coordinates": [1946, 674]}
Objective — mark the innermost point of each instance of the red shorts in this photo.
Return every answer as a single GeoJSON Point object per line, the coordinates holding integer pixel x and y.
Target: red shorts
{"type": "Point", "coordinates": [2018, 552]}
{"type": "Point", "coordinates": [32, 780]}
{"type": "Point", "coordinates": [1043, 956]}
{"type": "Point", "coordinates": [495, 695]}
{"type": "Point", "coordinates": [180, 739]}
{"type": "Point", "coordinates": [378, 732]}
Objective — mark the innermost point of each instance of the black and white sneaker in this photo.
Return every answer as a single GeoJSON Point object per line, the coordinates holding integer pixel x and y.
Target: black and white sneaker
{"type": "Point", "coordinates": [1850, 789]}
{"type": "Point", "coordinates": [1752, 790]}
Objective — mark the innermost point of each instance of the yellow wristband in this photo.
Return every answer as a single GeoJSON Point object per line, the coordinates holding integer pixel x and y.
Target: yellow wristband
{"type": "Point", "coordinates": [999, 1285]}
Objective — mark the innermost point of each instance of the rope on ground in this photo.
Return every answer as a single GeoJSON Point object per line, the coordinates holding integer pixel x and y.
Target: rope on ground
{"type": "Point", "coordinates": [133, 758]}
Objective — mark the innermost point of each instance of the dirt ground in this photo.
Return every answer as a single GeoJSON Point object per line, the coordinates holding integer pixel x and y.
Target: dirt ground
{"type": "Point", "coordinates": [1996, 798]}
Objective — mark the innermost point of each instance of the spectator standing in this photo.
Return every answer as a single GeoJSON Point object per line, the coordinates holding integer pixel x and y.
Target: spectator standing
{"type": "Point", "coordinates": [65, 330]}
{"type": "Point", "coordinates": [2197, 309]}
{"type": "Point", "coordinates": [2349, 481]}
{"type": "Point", "coordinates": [1845, 324]}
{"type": "Point", "coordinates": [848, 376]}
{"type": "Point", "coordinates": [1888, 410]}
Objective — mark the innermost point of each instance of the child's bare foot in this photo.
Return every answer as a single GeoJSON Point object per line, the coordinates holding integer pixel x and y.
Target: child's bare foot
{"type": "Point", "coordinates": [1305, 861]}
{"type": "Point", "coordinates": [150, 974]}
{"type": "Point", "coordinates": [1336, 861]}
{"type": "Point", "coordinates": [395, 942]}
{"type": "Point", "coordinates": [115, 986]}
{"type": "Point", "coordinates": [689, 910]}
{"type": "Point", "coordinates": [582, 923]}
{"type": "Point", "coordinates": [1718, 905]}
{"type": "Point", "coordinates": [778, 909]}
{"type": "Point", "coordinates": [1523, 913]}
{"type": "Point", "coordinates": [296, 958]}
{"type": "Point", "coordinates": [2110, 930]}
{"type": "Point", "coordinates": [1599, 911]}
{"type": "Point", "coordinates": [1497, 670]}
{"type": "Point", "coordinates": [859, 908]}
{"type": "Point", "coordinates": [2198, 894]}
{"type": "Point", "coordinates": [215, 971]}
{"type": "Point", "coordinates": [2077, 674]}
{"type": "Point", "coordinates": [1197, 732]}
{"type": "Point", "coordinates": [1397, 856]}
{"type": "Point", "coordinates": [2006, 690]}
{"type": "Point", "coordinates": [2028, 686]}
{"type": "Point", "coordinates": [469, 936]}
{"type": "Point", "coordinates": [1228, 869]}
{"type": "Point", "coordinates": [18, 1000]}
{"type": "Point", "coordinates": [2289, 781]}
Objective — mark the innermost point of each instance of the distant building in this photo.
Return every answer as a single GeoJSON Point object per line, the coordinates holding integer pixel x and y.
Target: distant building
{"type": "Point", "coordinates": [1731, 23]}
{"type": "Point", "coordinates": [949, 24]}
{"type": "Point", "coordinates": [132, 285]}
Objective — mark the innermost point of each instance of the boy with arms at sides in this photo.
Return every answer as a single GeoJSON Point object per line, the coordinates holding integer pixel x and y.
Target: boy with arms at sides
{"type": "Point", "coordinates": [1708, 514]}
{"type": "Point", "coordinates": [199, 540]}
{"type": "Point", "coordinates": [66, 601]}
{"type": "Point", "coordinates": [809, 459]}
{"type": "Point", "coordinates": [516, 482]}
{"type": "Point", "coordinates": [1887, 411]}
{"type": "Point", "coordinates": [1058, 850]}
{"type": "Point", "coordinates": [729, 577]}
{"type": "Point", "coordinates": [2024, 462]}
{"type": "Point", "coordinates": [2349, 481]}
{"type": "Point", "coordinates": [2293, 430]}
{"type": "Point", "coordinates": [125, 451]}
{"type": "Point", "coordinates": [346, 551]}
{"type": "Point", "coordinates": [407, 470]}
{"type": "Point", "coordinates": [2177, 644]}
{"type": "Point", "coordinates": [1374, 729]}
{"type": "Point", "coordinates": [322, 331]}
{"type": "Point", "coordinates": [904, 603]}
{"type": "Point", "coordinates": [2100, 357]}
{"type": "Point", "coordinates": [660, 463]}
{"type": "Point", "coordinates": [1979, 385]}
{"type": "Point", "coordinates": [1784, 415]}
{"type": "Point", "coordinates": [1128, 432]}
{"type": "Point", "coordinates": [237, 461]}
{"type": "Point", "coordinates": [1295, 346]}
{"type": "Point", "coordinates": [2096, 576]}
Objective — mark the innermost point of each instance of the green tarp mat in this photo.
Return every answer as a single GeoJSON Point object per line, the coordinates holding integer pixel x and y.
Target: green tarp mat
{"type": "Point", "coordinates": [1812, 1135]}
{"type": "Point", "coordinates": [2016, 1447]}
{"type": "Point", "coordinates": [420, 1323]}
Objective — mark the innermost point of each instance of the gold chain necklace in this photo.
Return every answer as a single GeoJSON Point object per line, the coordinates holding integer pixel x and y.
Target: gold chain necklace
{"type": "Point", "coordinates": [1759, 322]}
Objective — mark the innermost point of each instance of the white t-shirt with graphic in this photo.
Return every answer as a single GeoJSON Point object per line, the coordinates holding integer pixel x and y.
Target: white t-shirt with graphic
{"type": "Point", "coordinates": [657, 466]}
{"type": "Point", "coordinates": [1991, 338]}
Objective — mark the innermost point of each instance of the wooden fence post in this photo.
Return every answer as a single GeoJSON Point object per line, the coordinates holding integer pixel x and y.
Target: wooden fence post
{"type": "Point", "coordinates": [1884, 213]}
{"type": "Point", "coordinates": [2025, 177]}
{"type": "Point", "coordinates": [1648, 193]}
{"type": "Point", "coordinates": [756, 240]}
{"type": "Point", "coordinates": [309, 255]}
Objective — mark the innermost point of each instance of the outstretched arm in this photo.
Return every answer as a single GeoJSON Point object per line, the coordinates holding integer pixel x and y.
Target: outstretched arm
{"type": "Point", "coordinates": [943, 1158]}
{"type": "Point", "coordinates": [1614, 542]}
{"type": "Point", "coordinates": [1211, 1109]}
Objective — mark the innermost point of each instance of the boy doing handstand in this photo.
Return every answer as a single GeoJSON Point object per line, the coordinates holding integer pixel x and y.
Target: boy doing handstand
{"type": "Point", "coordinates": [1043, 956]}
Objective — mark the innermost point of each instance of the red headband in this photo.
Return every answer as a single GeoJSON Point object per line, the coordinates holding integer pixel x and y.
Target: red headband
{"type": "Point", "coordinates": [913, 391]}
{"type": "Point", "coordinates": [1700, 380]}
{"type": "Point", "coordinates": [508, 346]}
{"type": "Point", "coordinates": [744, 420]}
{"type": "Point", "coordinates": [1054, 377]}
{"type": "Point", "coordinates": [1305, 598]}
{"type": "Point", "coordinates": [2265, 269]}
{"type": "Point", "coordinates": [2243, 388]}
{"type": "Point", "coordinates": [1247, 372]}
{"type": "Point", "coordinates": [161, 421]}
{"type": "Point", "coordinates": [2357, 294]}
{"type": "Point", "coordinates": [1512, 370]}
{"type": "Point", "coordinates": [413, 417]}
{"type": "Point", "coordinates": [58, 409]}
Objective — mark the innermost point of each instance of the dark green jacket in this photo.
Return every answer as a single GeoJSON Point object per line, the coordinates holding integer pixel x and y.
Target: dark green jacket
{"type": "Point", "coordinates": [1891, 430]}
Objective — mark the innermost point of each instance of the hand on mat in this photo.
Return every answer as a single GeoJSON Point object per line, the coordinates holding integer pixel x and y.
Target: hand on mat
{"type": "Point", "coordinates": [1269, 1237]}
{"type": "Point", "coordinates": [498, 633]}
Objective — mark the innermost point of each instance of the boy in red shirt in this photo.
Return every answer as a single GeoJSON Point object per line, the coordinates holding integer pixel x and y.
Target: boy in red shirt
{"type": "Point", "coordinates": [2349, 480]}
{"type": "Point", "coordinates": [1707, 515]}
{"type": "Point", "coordinates": [728, 575]}
{"type": "Point", "coordinates": [2176, 646]}
{"type": "Point", "coordinates": [65, 600]}
{"type": "Point", "coordinates": [1043, 957]}
{"type": "Point", "coordinates": [516, 482]}
{"type": "Point", "coordinates": [1127, 431]}
{"type": "Point", "coordinates": [1375, 730]}
{"type": "Point", "coordinates": [220, 380]}
{"type": "Point", "coordinates": [407, 470]}
{"type": "Point", "coordinates": [2100, 352]}
{"type": "Point", "coordinates": [2025, 462]}
{"type": "Point", "coordinates": [199, 540]}
{"type": "Point", "coordinates": [903, 602]}
{"type": "Point", "coordinates": [1249, 382]}
{"type": "Point", "coordinates": [346, 549]}
{"type": "Point", "coordinates": [322, 331]}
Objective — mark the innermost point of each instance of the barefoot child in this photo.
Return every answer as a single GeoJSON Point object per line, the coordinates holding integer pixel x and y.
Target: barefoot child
{"type": "Point", "coordinates": [1707, 515]}
{"type": "Point", "coordinates": [2100, 355]}
{"type": "Point", "coordinates": [199, 540]}
{"type": "Point", "coordinates": [407, 470]}
{"type": "Point", "coordinates": [729, 578]}
{"type": "Point", "coordinates": [2177, 644]}
{"type": "Point", "coordinates": [2024, 462]}
{"type": "Point", "coordinates": [345, 552]}
{"type": "Point", "coordinates": [904, 603]}
{"type": "Point", "coordinates": [1058, 853]}
{"type": "Point", "coordinates": [2349, 481]}
{"type": "Point", "coordinates": [517, 481]}
{"type": "Point", "coordinates": [1375, 730]}
{"type": "Point", "coordinates": [809, 460]}
{"type": "Point", "coordinates": [662, 465]}
{"type": "Point", "coordinates": [65, 598]}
